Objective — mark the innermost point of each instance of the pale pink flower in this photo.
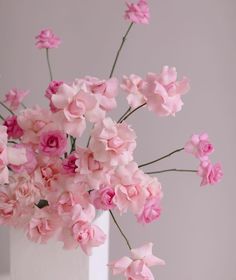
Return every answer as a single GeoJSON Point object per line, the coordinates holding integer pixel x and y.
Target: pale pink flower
{"type": "Point", "coordinates": [7, 206]}
{"type": "Point", "coordinates": [66, 202]}
{"type": "Point", "coordinates": [137, 267]}
{"type": "Point", "coordinates": [151, 211]}
{"type": "Point", "coordinates": [103, 198]}
{"type": "Point", "coordinates": [14, 98]}
{"type": "Point", "coordinates": [88, 236]}
{"type": "Point", "coordinates": [105, 91]}
{"type": "Point", "coordinates": [113, 143]}
{"type": "Point", "coordinates": [163, 92]}
{"type": "Point", "coordinates": [211, 174]}
{"type": "Point", "coordinates": [133, 86]}
{"type": "Point", "coordinates": [47, 40]}
{"type": "Point", "coordinates": [199, 146]}
{"type": "Point", "coordinates": [13, 128]}
{"type": "Point", "coordinates": [33, 121]}
{"type": "Point", "coordinates": [42, 226]}
{"type": "Point", "coordinates": [137, 13]}
{"type": "Point", "coordinates": [4, 173]}
{"type": "Point", "coordinates": [52, 89]}
{"type": "Point", "coordinates": [31, 161]}
{"type": "Point", "coordinates": [53, 143]}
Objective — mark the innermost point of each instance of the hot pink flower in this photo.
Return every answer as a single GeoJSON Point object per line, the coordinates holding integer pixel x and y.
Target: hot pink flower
{"type": "Point", "coordinates": [211, 174]}
{"type": "Point", "coordinates": [53, 143]}
{"type": "Point", "coordinates": [150, 212]}
{"type": "Point", "coordinates": [47, 40]}
{"type": "Point", "coordinates": [69, 164]}
{"type": "Point", "coordinates": [13, 128]}
{"type": "Point", "coordinates": [4, 173]}
{"type": "Point", "coordinates": [52, 89]}
{"type": "Point", "coordinates": [199, 146]}
{"type": "Point", "coordinates": [133, 86]}
{"type": "Point", "coordinates": [103, 198]}
{"type": "Point", "coordinates": [163, 92]}
{"type": "Point", "coordinates": [138, 13]}
{"type": "Point", "coordinates": [137, 267]}
{"type": "Point", "coordinates": [88, 236]}
{"type": "Point", "coordinates": [15, 97]}
{"type": "Point", "coordinates": [113, 143]}
{"type": "Point", "coordinates": [42, 226]}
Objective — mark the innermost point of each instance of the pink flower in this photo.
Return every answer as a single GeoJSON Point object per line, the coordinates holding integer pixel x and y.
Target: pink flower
{"type": "Point", "coordinates": [88, 236]}
{"type": "Point", "coordinates": [30, 164]}
{"type": "Point", "coordinates": [7, 206]}
{"type": "Point", "coordinates": [113, 143]}
{"type": "Point", "coordinates": [52, 89]}
{"type": "Point", "coordinates": [53, 143]}
{"type": "Point", "coordinates": [199, 146]}
{"type": "Point", "coordinates": [3, 155]}
{"type": "Point", "coordinates": [47, 40]}
{"type": "Point", "coordinates": [13, 128]}
{"type": "Point", "coordinates": [163, 92]}
{"type": "Point", "coordinates": [137, 267]}
{"type": "Point", "coordinates": [150, 212]}
{"type": "Point", "coordinates": [15, 97]}
{"type": "Point", "coordinates": [42, 226]}
{"type": "Point", "coordinates": [137, 13]}
{"type": "Point", "coordinates": [103, 198]}
{"type": "Point", "coordinates": [211, 174]}
{"type": "Point", "coordinates": [104, 91]}
{"type": "Point", "coordinates": [133, 86]}
{"type": "Point", "coordinates": [69, 164]}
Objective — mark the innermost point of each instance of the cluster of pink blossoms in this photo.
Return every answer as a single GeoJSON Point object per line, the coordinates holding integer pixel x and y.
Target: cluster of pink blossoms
{"type": "Point", "coordinates": [52, 186]}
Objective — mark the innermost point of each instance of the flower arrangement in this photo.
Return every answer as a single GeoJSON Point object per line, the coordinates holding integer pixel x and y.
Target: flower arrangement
{"type": "Point", "coordinates": [52, 186]}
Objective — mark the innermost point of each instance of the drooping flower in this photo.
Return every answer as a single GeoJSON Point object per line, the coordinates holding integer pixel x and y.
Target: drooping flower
{"type": "Point", "coordinates": [15, 97]}
{"type": "Point", "coordinates": [211, 174]}
{"type": "Point", "coordinates": [163, 92]}
{"type": "Point", "coordinates": [199, 146]}
{"type": "Point", "coordinates": [137, 267]}
{"type": "Point", "coordinates": [137, 12]}
{"type": "Point", "coordinates": [47, 40]}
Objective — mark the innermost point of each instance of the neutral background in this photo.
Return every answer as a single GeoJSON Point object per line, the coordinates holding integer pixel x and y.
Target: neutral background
{"type": "Point", "coordinates": [197, 232]}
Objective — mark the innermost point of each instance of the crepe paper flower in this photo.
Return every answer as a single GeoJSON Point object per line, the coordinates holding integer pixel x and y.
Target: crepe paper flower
{"type": "Point", "coordinates": [151, 211]}
{"type": "Point", "coordinates": [4, 173]}
{"type": "Point", "coordinates": [14, 98]}
{"type": "Point", "coordinates": [112, 143]}
{"type": "Point", "coordinates": [103, 198]}
{"type": "Point", "coordinates": [52, 89]}
{"type": "Point", "coordinates": [137, 12]}
{"type": "Point", "coordinates": [47, 40]}
{"type": "Point", "coordinates": [53, 143]}
{"type": "Point", "coordinates": [137, 267]}
{"type": "Point", "coordinates": [13, 129]}
{"type": "Point", "coordinates": [133, 86]}
{"type": "Point", "coordinates": [211, 174]}
{"type": "Point", "coordinates": [163, 92]}
{"type": "Point", "coordinates": [199, 146]}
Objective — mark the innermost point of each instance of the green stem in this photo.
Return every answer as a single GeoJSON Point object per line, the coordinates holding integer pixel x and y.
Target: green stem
{"type": "Point", "coordinates": [172, 170]}
{"type": "Point", "coordinates": [131, 112]}
{"type": "Point", "coordinates": [121, 231]}
{"type": "Point", "coordinates": [49, 65]}
{"type": "Point", "coordinates": [72, 142]}
{"type": "Point", "coordinates": [163, 157]}
{"type": "Point", "coordinates": [119, 50]}
{"type": "Point", "coordinates": [8, 109]}
{"type": "Point", "coordinates": [2, 118]}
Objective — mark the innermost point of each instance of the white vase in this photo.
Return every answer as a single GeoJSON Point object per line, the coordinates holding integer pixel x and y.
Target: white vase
{"type": "Point", "coordinates": [30, 261]}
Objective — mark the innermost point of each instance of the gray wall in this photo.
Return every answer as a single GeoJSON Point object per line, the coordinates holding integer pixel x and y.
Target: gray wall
{"type": "Point", "coordinates": [196, 234]}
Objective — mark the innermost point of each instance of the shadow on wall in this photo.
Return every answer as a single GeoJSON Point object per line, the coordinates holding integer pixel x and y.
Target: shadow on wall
{"type": "Point", "coordinates": [4, 251]}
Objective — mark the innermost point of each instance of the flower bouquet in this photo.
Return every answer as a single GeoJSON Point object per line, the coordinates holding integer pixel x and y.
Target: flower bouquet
{"type": "Point", "coordinates": [52, 186]}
